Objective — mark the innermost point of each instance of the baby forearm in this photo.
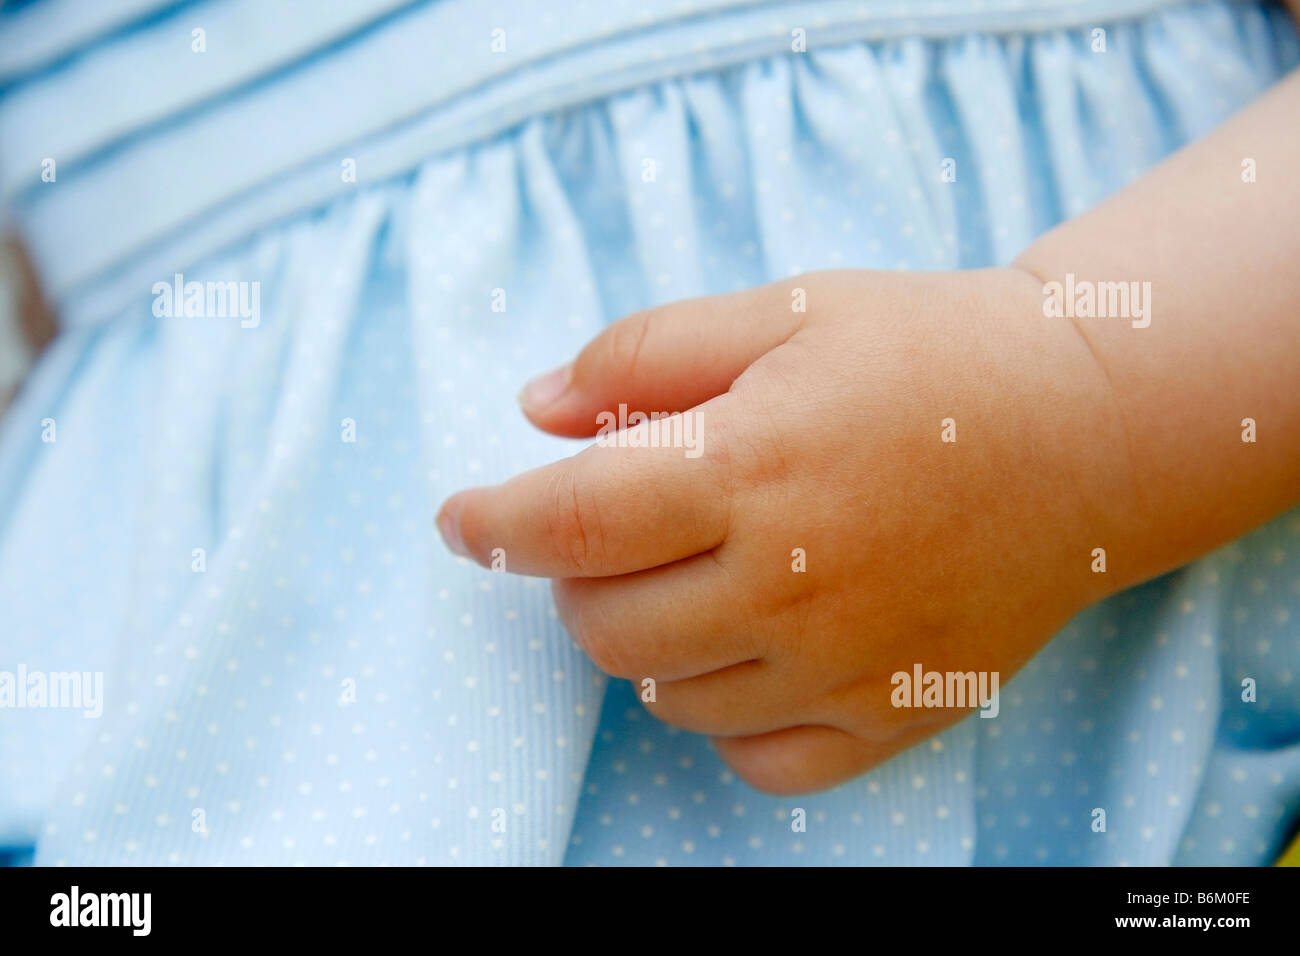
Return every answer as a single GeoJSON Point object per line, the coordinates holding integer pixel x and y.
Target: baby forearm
{"type": "Point", "coordinates": [1215, 231]}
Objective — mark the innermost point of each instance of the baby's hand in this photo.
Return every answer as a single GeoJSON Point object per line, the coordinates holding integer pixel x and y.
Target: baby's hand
{"type": "Point", "coordinates": [916, 470]}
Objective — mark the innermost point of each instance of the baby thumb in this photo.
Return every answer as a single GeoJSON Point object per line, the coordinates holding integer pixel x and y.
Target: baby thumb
{"type": "Point", "coordinates": [666, 359]}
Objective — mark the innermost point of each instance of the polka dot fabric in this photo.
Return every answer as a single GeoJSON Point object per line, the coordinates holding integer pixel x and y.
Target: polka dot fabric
{"type": "Point", "coordinates": [1136, 708]}
{"type": "Point", "coordinates": [327, 685]}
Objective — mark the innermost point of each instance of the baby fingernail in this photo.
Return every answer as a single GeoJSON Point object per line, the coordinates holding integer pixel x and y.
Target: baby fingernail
{"type": "Point", "coordinates": [449, 528]}
{"type": "Point", "coordinates": [545, 389]}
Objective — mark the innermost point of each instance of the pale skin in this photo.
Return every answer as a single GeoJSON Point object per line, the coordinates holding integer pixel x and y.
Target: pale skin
{"type": "Point", "coordinates": [822, 431]}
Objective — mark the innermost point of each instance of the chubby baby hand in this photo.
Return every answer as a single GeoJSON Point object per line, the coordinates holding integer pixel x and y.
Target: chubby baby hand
{"type": "Point", "coordinates": [872, 476]}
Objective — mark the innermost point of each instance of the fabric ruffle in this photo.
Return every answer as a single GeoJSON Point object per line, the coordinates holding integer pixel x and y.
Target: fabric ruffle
{"type": "Point", "coordinates": [179, 128]}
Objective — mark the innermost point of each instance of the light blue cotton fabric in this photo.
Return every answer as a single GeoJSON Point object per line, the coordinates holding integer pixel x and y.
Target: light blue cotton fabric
{"type": "Point", "coordinates": [332, 686]}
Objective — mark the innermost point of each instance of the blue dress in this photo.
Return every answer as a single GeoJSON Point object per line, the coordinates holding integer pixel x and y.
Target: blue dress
{"type": "Point", "coordinates": [226, 517]}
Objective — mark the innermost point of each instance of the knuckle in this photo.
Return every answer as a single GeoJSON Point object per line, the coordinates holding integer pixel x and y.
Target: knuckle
{"type": "Point", "coordinates": [605, 654]}
{"type": "Point", "coordinates": [589, 629]}
{"type": "Point", "coordinates": [573, 525]}
{"type": "Point", "coordinates": [626, 341]}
